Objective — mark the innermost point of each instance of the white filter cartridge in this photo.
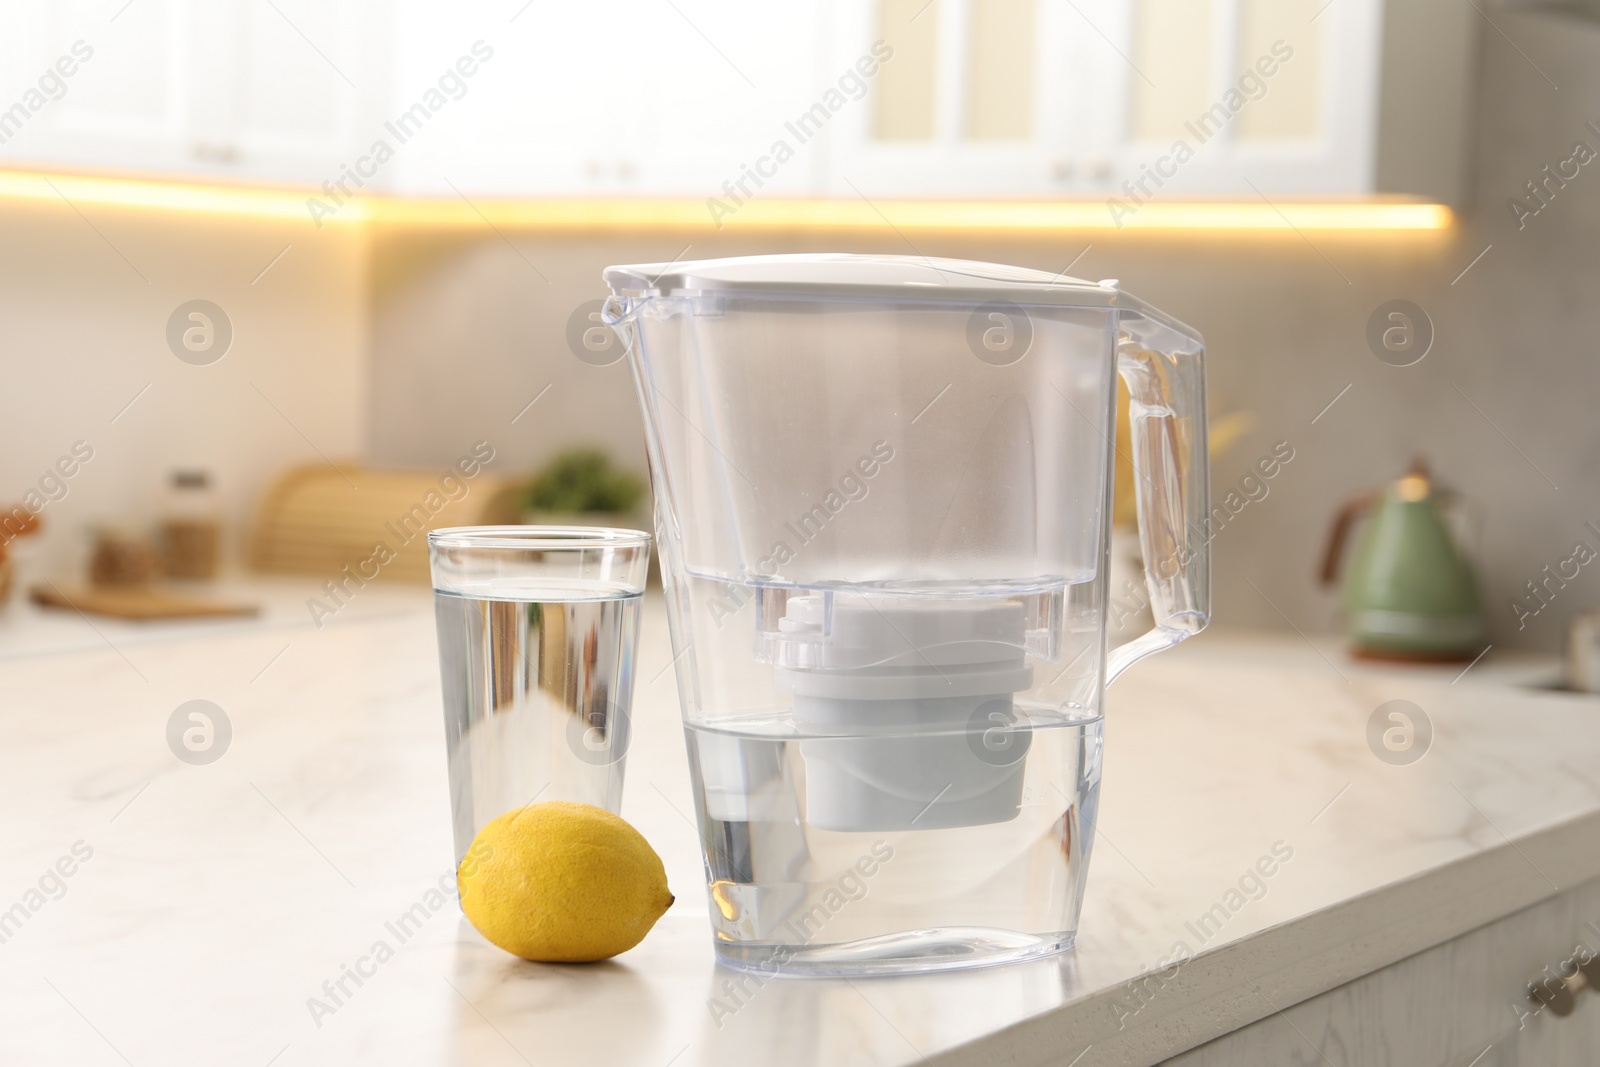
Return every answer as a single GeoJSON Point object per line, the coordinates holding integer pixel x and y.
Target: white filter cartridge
{"type": "Point", "coordinates": [912, 699]}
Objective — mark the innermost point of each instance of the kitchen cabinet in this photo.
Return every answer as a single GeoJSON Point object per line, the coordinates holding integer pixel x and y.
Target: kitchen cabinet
{"type": "Point", "coordinates": [242, 89]}
{"type": "Point", "coordinates": [978, 98]}
{"type": "Point", "coordinates": [95, 92]}
{"type": "Point", "coordinates": [295, 89]}
{"type": "Point", "coordinates": [636, 97]}
{"type": "Point", "coordinates": [1139, 99]}
{"type": "Point", "coordinates": [1463, 1002]}
{"type": "Point", "coordinates": [1122, 100]}
{"type": "Point", "coordinates": [1131, 99]}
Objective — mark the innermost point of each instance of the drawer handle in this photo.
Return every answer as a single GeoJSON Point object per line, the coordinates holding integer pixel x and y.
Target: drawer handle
{"type": "Point", "coordinates": [1559, 992]}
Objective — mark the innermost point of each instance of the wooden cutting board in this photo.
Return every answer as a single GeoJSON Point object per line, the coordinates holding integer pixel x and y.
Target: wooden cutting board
{"type": "Point", "coordinates": [135, 602]}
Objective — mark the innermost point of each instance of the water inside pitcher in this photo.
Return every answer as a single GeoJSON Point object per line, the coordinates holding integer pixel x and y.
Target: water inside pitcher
{"type": "Point", "coordinates": [883, 491]}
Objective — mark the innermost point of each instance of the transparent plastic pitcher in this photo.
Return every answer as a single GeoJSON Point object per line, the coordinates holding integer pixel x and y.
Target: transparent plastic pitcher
{"type": "Point", "coordinates": [883, 496]}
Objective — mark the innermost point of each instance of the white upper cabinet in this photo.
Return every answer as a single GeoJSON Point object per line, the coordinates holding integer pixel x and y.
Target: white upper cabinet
{"type": "Point", "coordinates": [297, 85]}
{"type": "Point", "coordinates": [1121, 100]}
{"type": "Point", "coordinates": [1135, 99]}
{"type": "Point", "coordinates": [77, 88]}
{"type": "Point", "coordinates": [970, 95]}
{"type": "Point", "coordinates": [641, 97]}
{"type": "Point", "coordinates": [254, 89]}
{"type": "Point", "coordinates": [1231, 96]}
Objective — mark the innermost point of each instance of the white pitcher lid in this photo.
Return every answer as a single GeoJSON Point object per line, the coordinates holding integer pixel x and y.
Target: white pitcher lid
{"type": "Point", "coordinates": [837, 274]}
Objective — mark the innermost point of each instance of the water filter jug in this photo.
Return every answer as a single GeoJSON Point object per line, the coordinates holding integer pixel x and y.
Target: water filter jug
{"type": "Point", "coordinates": [883, 492]}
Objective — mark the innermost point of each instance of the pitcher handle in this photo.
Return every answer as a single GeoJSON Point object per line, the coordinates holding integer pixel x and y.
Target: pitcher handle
{"type": "Point", "coordinates": [1163, 363]}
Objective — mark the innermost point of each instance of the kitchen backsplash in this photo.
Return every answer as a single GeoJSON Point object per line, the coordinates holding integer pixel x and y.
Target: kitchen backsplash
{"type": "Point", "coordinates": [103, 358]}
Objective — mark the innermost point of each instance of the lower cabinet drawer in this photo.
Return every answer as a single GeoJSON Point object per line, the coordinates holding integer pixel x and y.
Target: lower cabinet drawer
{"type": "Point", "coordinates": [1464, 1003]}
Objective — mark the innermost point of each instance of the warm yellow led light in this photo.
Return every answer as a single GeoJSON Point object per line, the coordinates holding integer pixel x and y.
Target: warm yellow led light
{"type": "Point", "coordinates": [173, 196]}
{"type": "Point", "coordinates": [986, 216]}
{"type": "Point", "coordinates": [635, 215]}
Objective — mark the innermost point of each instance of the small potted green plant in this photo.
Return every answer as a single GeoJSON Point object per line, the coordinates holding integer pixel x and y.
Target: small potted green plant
{"type": "Point", "coordinates": [581, 487]}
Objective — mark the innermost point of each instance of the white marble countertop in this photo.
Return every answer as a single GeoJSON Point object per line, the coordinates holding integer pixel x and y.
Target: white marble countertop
{"type": "Point", "coordinates": [215, 900]}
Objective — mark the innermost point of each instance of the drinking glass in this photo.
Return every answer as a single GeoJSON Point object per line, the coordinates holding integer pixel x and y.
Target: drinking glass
{"type": "Point", "coordinates": [538, 632]}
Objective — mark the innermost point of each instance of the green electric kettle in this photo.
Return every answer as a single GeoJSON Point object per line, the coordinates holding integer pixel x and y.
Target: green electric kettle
{"type": "Point", "coordinates": [1409, 592]}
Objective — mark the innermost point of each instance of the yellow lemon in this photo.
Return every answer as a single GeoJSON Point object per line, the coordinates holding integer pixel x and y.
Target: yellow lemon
{"type": "Point", "coordinates": [562, 883]}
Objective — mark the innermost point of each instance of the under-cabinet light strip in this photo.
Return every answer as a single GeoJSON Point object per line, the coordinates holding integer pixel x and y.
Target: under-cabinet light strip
{"type": "Point", "coordinates": [319, 210]}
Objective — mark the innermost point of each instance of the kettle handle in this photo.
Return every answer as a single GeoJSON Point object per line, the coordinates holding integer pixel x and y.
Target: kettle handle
{"type": "Point", "coordinates": [1163, 364]}
{"type": "Point", "coordinates": [1349, 512]}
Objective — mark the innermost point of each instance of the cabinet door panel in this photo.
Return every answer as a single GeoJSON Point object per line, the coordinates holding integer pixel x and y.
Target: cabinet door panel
{"type": "Point", "coordinates": [27, 51]}
{"type": "Point", "coordinates": [127, 103]}
{"type": "Point", "coordinates": [300, 78]}
{"type": "Point", "coordinates": [1285, 106]}
{"type": "Point", "coordinates": [975, 98]}
{"type": "Point", "coordinates": [1446, 1007]}
{"type": "Point", "coordinates": [628, 97]}
{"type": "Point", "coordinates": [243, 88]}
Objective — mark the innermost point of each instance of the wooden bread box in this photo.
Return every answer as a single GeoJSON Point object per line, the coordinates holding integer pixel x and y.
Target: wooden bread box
{"type": "Point", "coordinates": [317, 519]}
